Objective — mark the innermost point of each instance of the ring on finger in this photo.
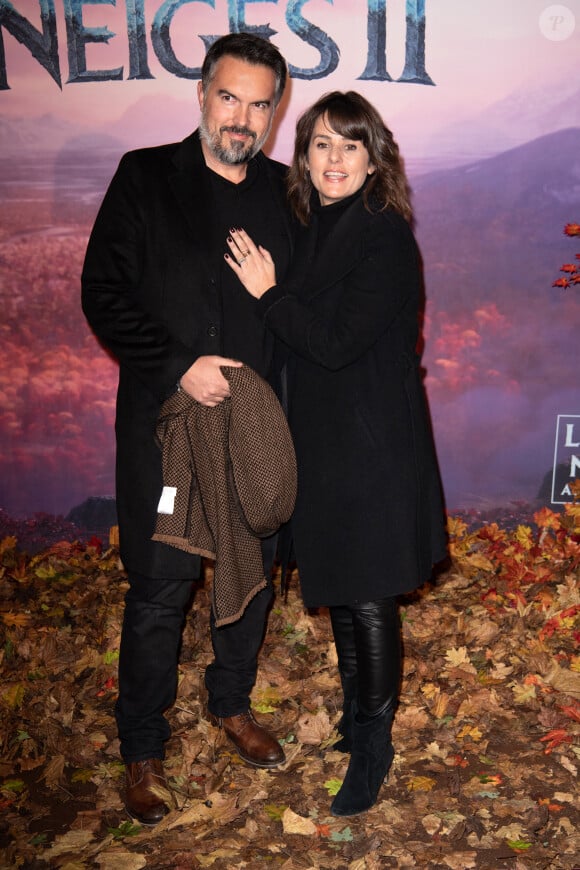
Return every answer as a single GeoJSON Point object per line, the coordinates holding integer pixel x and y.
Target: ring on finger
{"type": "Point", "coordinates": [242, 260]}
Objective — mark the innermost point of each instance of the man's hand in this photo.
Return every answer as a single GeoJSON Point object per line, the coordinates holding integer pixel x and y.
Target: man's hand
{"type": "Point", "coordinates": [204, 381]}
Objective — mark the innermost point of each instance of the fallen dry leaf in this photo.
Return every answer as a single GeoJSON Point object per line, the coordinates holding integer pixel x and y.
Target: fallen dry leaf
{"type": "Point", "coordinates": [72, 841]}
{"type": "Point", "coordinates": [461, 860]}
{"type": "Point", "coordinates": [120, 859]}
{"type": "Point", "coordinates": [292, 823]}
{"type": "Point", "coordinates": [431, 823]}
{"type": "Point", "coordinates": [486, 689]}
{"type": "Point", "coordinates": [420, 783]}
{"type": "Point", "coordinates": [313, 728]}
{"type": "Point", "coordinates": [563, 680]}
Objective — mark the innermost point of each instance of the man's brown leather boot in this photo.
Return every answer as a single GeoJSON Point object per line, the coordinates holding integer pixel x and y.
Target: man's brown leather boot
{"type": "Point", "coordinates": [145, 784]}
{"type": "Point", "coordinates": [254, 744]}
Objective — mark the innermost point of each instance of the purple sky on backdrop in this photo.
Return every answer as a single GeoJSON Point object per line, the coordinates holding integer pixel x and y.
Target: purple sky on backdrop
{"type": "Point", "coordinates": [499, 82]}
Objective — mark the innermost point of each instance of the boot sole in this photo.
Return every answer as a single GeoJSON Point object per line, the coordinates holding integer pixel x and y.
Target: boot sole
{"type": "Point", "coordinates": [135, 818]}
{"type": "Point", "coordinates": [265, 765]}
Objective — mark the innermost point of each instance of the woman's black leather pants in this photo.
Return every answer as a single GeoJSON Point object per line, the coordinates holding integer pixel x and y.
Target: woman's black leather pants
{"type": "Point", "coordinates": [368, 644]}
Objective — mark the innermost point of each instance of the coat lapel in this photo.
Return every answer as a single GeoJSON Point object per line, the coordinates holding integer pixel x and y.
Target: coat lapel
{"type": "Point", "coordinates": [190, 187]}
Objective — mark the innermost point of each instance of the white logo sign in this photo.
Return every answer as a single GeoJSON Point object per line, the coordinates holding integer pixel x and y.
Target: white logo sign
{"type": "Point", "coordinates": [566, 457]}
{"type": "Point", "coordinates": [557, 23]}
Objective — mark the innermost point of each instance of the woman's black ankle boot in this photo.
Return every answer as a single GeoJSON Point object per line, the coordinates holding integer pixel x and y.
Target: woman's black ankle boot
{"type": "Point", "coordinates": [371, 758]}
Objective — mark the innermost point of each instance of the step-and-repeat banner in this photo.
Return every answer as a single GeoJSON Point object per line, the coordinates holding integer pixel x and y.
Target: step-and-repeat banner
{"type": "Point", "coordinates": [484, 100]}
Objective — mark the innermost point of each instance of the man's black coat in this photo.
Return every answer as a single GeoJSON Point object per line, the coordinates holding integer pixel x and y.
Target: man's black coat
{"type": "Point", "coordinates": [153, 292]}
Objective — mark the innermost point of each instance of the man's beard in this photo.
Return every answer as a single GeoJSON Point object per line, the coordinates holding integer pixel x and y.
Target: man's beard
{"type": "Point", "coordinates": [237, 152]}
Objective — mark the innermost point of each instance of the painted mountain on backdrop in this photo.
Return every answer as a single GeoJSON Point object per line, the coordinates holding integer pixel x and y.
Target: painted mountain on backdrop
{"type": "Point", "coordinates": [493, 229]}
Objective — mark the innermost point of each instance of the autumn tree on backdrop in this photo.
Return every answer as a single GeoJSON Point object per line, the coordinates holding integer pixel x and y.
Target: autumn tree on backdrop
{"type": "Point", "coordinates": [571, 270]}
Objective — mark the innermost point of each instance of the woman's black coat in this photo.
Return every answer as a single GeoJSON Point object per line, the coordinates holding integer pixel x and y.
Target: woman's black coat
{"type": "Point", "coordinates": [369, 520]}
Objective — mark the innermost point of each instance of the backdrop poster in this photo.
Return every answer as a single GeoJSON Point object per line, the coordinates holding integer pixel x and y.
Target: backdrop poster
{"type": "Point", "coordinates": [484, 100]}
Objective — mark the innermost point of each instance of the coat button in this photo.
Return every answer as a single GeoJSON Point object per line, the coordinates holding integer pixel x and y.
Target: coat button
{"type": "Point", "coordinates": [212, 331]}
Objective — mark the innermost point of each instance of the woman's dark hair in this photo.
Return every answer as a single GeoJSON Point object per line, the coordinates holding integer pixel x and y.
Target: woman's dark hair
{"type": "Point", "coordinates": [352, 116]}
{"type": "Point", "coordinates": [250, 48]}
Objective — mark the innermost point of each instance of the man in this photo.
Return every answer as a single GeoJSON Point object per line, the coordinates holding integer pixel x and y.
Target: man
{"type": "Point", "coordinates": [159, 295]}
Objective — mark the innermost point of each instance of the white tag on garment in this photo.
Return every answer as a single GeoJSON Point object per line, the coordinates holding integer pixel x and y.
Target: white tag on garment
{"type": "Point", "coordinates": [167, 501]}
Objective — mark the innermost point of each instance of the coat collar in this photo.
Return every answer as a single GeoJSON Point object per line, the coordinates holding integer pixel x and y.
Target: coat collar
{"type": "Point", "coordinates": [341, 251]}
{"type": "Point", "coordinates": [191, 186]}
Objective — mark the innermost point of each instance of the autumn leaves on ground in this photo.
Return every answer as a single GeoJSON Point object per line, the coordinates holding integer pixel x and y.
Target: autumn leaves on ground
{"type": "Point", "coordinates": [487, 733]}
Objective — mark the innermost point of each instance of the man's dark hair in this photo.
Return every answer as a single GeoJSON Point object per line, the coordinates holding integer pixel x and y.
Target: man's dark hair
{"type": "Point", "coordinates": [251, 49]}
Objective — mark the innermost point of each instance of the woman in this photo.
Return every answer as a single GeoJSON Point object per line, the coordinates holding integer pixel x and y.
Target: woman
{"type": "Point", "coordinates": [368, 524]}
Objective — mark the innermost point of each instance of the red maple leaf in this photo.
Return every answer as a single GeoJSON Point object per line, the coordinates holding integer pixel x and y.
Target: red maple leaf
{"type": "Point", "coordinates": [96, 544]}
{"type": "Point", "coordinates": [554, 738]}
{"type": "Point", "coordinates": [555, 808]}
{"type": "Point", "coordinates": [107, 686]}
{"type": "Point", "coordinates": [547, 519]}
{"type": "Point", "coordinates": [491, 532]}
{"type": "Point", "coordinates": [573, 711]}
